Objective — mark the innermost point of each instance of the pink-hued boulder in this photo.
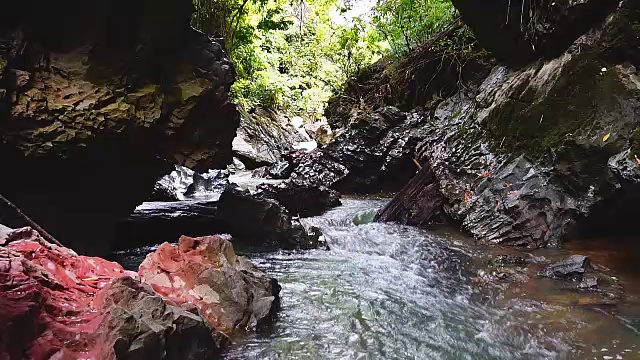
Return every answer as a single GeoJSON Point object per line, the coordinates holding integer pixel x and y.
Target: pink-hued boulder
{"type": "Point", "coordinates": [55, 304]}
{"type": "Point", "coordinates": [227, 289]}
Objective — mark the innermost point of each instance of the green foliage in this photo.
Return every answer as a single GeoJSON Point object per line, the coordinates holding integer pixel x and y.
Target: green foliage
{"type": "Point", "coordinates": [406, 24]}
{"type": "Point", "coordinates": [293, 55]}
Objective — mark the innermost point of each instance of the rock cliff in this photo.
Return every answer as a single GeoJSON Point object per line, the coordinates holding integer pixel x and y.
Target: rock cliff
{"type": "Point", "coordinates": [544, 151]}
{"type": "Point", "coordinates": [98, 99]}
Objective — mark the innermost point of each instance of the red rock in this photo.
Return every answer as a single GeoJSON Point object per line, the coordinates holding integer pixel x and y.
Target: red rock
{"type": "Point", "coordinates": [55, 304]}
{"type": "Point", "coordinates": [227, 289]}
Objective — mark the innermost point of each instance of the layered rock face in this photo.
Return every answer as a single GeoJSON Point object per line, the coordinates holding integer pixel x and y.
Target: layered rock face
{"type": "Point", "coordinates": [518, 32]}
{"type": "Point", "coordinates": [374, 154]}
{"type": "Point", "coordinates": [534, 153]}
{"type": "Point", "coordinates": [97, 100]}
{"type": "Point", "coordinates": [56, 304]}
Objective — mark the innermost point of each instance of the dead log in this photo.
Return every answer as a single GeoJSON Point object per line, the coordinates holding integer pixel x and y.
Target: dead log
{"type": "Point", "coordinates": [417, 203]}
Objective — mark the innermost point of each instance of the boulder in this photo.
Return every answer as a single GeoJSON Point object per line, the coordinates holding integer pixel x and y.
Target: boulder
{"type": "Point", "coordinates": [320, 132]}
{"type": "Point", "coordinates": [104, 103]}
{"type": "Point", "coordinates": [261, 220]}
{"type": "Point", "coordinates": [56, 304]}
{"type": "Point", "coordinates": [302, 200]}
{"type": "Point", "coordinates": [231, 293]}
{"type": "Point", "coordinates": [250, 217]}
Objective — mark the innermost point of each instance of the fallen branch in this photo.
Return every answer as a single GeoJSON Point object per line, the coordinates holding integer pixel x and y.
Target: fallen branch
{"type": "Point", "coordinates": [32, 223]}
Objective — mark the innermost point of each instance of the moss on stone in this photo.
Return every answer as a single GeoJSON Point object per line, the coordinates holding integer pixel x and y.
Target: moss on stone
{"type": "Point", "coordinates": [579, 107]}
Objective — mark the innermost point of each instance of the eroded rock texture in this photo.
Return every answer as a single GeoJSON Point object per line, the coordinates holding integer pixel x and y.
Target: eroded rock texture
{"type": "Point", "coordinates": [228, 290]}
{"type": "Point", "coordinates": [374, 154]}
{"type": "Point", "coordinates": [97, 100]}
{"type": "Point", "coordinates": [534, 153]}
{"type": "Point", "coordinates": [301, 199]}
{"type": "Point", "coordinates": [55, 304]}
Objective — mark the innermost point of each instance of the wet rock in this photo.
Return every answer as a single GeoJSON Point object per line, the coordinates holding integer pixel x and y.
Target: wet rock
{"type": "Point", "coordinates": [508, 260]}
{"type": "Point", "coordinates": [231, 293]}
{"type": "Point", "coordinates": [253, 218]}
{"type": "Point", "coordinates": [61, 305]}
{"type": "Point", "coordinates": [573, 267]}
{"type": "Point", "coordinates": [185, 184]}
{"type": "Point", "coordinates": [104, 104]}
{"type": "Point", "coordinates": [172, 186]}
{"type": "Point", "coordinates": [141, 325]}
{"type": "Point", "coordinates": [315, 168]}
{"type": "Point", "coordinates": [280, 170]}
{"type": "Point", "coordinates": [4, 232]}
{"type": "Point", "coordinates": [375, 154]}
{"type": "Point", "coordinates": [261, 220]}
{"type": "Point", "coordinates": [236, 166]}
{"type": "Point", "coordinates": [588, 282]}
{"type": "Point", "coordinates": [520, 161]}
{"type": "Point", "coordinates": [163, 192]}
{"type": "Point", "coordinates": [207, 186]}
{"type": "Point", "coordinates": [261, 172]}
{"type": "Point", "coordinates": [302, 200]}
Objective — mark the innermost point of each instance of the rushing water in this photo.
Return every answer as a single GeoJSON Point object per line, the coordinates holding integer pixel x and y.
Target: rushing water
{"type": "Point", "coordinates": [386, 291]}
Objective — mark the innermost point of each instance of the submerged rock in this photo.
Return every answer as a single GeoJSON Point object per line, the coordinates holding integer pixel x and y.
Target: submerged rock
{"type": "Point", "coordinates": [230, 292]}
{"type": "Point", "coordinates": [590, 282]}
{"type": "Point", "coordinates": [102, 104]}
{"type": "Point", "coordinates": [573, 267]}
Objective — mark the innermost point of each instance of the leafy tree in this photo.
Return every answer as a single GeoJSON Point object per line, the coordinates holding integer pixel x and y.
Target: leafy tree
{"type": "Point", "coordinates": [293, 55]}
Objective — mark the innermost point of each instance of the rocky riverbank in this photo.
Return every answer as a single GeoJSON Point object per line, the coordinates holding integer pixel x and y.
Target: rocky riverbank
{"type": "Point", "coordinates": [184, 303]}
{"type": "Point", "coordinates": [530, 153]}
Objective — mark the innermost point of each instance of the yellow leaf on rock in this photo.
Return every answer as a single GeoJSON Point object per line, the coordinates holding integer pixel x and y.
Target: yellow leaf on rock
{"type": "Point", "coordinates": [91, 279]}
{"type": "Point", "coordinates": [606, 137]}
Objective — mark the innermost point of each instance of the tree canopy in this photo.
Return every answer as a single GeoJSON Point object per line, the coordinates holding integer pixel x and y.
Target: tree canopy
{"type": "Point", "coordinates": [292, 55]}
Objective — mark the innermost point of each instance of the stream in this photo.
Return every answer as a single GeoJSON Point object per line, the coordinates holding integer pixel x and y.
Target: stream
{"type": "Point", "coordinates": [385, 291]}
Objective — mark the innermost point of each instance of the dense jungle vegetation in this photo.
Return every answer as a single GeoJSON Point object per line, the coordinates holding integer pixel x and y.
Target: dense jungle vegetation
{"type": "Point", "coordinates": [293, 55]}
